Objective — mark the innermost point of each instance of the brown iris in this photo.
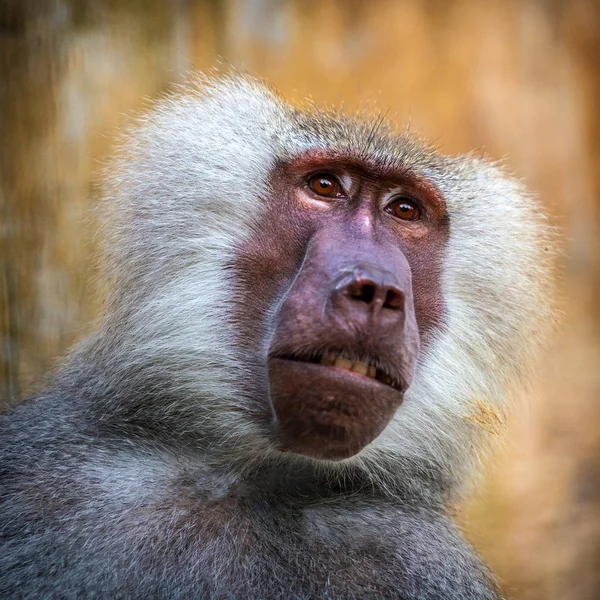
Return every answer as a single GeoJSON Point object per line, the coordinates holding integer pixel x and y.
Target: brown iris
{"type": "Point", "coordinates": [324, 185]}
{"type": "Point", "coordinates": [405, 209]}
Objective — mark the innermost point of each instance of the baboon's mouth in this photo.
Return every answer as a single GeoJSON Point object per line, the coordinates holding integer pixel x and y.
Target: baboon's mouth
{"type": "Point", "coordinates": [364, 366]}
{"type": "Point", "coordinates": [330, 405]}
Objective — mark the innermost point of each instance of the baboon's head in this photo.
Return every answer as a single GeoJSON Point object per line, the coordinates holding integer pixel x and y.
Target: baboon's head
{"type": "Point", "coordinates": [303, 284]}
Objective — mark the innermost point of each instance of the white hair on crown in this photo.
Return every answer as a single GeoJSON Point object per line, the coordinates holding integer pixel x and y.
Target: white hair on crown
{"type": "Point", "coordinates": [191, 182]}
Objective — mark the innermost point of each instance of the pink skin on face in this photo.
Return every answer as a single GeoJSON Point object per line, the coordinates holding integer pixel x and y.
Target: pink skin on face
{"type": "Point", "coordinates": [340, 276]}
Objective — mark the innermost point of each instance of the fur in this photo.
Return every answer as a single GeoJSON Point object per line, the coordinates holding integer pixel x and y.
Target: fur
{"type": "Point", "coordinates": [162, 382]}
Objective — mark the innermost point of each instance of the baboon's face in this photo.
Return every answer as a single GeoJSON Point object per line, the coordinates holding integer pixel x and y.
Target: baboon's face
{"type": "Point", "coordinates": [341, 285]}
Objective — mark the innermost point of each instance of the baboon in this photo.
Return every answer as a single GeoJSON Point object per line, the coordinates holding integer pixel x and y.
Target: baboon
{"type": "Point", "coordinates": [313, 324]}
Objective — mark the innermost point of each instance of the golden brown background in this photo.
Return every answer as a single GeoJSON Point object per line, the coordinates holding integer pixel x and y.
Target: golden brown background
{"type": "Point", "coordinates": [519, 80]}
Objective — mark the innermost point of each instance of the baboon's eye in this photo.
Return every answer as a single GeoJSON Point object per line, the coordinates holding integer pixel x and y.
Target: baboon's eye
{"type": "Point", "coordinates": [325, 185]}
{"type": "Point", "coordinates": [405, 209]}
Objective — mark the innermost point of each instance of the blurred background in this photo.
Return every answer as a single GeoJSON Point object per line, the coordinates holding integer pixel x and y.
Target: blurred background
{"type": "Point", "coordinates": [519, 80]}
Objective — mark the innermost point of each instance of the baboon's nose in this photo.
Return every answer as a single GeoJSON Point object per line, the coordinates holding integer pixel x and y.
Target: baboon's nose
{"type": "Point", "coordinates": [369, 288]}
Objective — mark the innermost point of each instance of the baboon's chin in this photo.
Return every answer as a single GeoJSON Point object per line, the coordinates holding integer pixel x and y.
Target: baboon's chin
{"type": "Point", "coordinates": [327, 412]}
